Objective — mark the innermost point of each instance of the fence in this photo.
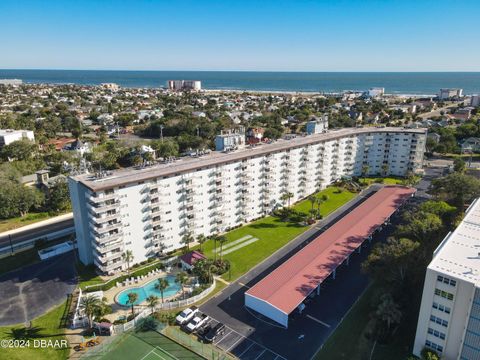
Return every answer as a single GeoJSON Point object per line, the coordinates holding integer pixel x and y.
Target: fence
{"type": "Point", "coordinates": [118, 329]}
{"type": "Point", "coordinates": [112, 282]}
{"type": "Point", "coordinates": [208, 351]}
{"type": "Point", "coordinates": [182, 303]}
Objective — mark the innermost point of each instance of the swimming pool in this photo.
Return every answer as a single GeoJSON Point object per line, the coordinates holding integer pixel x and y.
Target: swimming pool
{"type": "Point", "coordinates": [149, 289]}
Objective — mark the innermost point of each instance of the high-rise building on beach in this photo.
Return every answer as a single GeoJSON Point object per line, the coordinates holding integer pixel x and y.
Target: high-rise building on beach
{"type": "Point", "coordinates": [180, 85]}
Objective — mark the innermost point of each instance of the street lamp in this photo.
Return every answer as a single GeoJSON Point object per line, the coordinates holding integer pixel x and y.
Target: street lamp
{"type": "Point", "coordinates": [161, 133]}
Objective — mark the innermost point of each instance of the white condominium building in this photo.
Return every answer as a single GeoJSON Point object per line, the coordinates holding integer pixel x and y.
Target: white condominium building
{"type": "Point", "coordinates": [147, 210]}
{"type": "Point", "coordinates": [449, 319]}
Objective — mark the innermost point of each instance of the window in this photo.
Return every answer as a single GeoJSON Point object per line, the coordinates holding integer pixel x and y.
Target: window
{"type": "Point", "coordinates": [433, 346]}
{"type": "Point", "coordinates": [446, 280]}
{"type": "Point", "coordinates": [444, 294]}
{"type": "Point", "coordinates": [437, 333]}
{"type": "Point", "coordinates": [438, 320]}
{"type": "Point", "coordinates": [441, 307]}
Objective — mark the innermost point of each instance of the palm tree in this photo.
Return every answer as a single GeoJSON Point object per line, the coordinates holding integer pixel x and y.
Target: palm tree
{"type": "Point", "coordinates": [385, 169]}
{"type": "Point", "coordinates": [214, 237]}
{"type": "Point", "coordinates": [152, 301]}
{"type": "Point", "coordinates": [319, 201]}
{"type": "Point", "coordinates": [127, 256]}
{"type": "Point", "coordinates": [89, 304]}
{"type": "Point", "coordinates": [132, 298]}
{"type": "Point", "coordinates": [222, 240]}
{"type": "Point", "coordinates": [186, 240]}
{"type": "Point", "coordinates": [182, 279]}
{"type": "Point", "coordinates": [313, 201]}
{"type": "Point", "coordinates": [286, 197]}
{"type": "Point", "coordinates": [365, 169]}
{"type": "Point", "coordinates": [201, 240]}
{"type": "Point", "coordinates": [161, 285]}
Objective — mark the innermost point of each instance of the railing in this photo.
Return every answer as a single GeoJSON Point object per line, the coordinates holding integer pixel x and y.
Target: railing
{"type": "Point", "coordinates": [182, 303]}
{"type": "Point", "coordinates": [118, 329]}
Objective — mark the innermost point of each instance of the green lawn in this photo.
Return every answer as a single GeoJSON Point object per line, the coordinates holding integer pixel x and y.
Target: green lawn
{"type": "Point", "coordinates": [14, 223]}
{"type": "Point", "coordinates": [18, 260]}
{"type": "Point", "coordinates": [87, 276]}
{"type": "Point", "coordinates": [272, 234]}
{"type": "Point", "coordinates": [45, 327]}
{"type": "Point", "coordinates": [385, 180]}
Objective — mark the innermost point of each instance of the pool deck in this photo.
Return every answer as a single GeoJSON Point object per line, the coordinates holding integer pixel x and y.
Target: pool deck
{"type": "Point", "coordinates": [121, 310]}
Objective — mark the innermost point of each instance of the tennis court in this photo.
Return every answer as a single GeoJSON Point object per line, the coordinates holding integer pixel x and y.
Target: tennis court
{"type": "Point", "coordinates": [149, 345]}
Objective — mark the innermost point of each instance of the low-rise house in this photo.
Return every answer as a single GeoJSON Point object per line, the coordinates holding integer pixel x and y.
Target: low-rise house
{"type": "Point", "coordinates": [471, 144]}
{"type": "Point", "coordinates": [188, 260]}
{"type": "Point", "coordinates": [80, 147]}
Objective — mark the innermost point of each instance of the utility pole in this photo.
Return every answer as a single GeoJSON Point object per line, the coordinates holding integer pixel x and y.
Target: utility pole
{"type": "Point", "coordinates": [161, 133]}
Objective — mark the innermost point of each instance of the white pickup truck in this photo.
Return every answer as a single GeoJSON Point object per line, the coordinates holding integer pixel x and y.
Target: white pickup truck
{"type": "Point", "coordinates": [186, 315]}
{"type": "Point", "coordinates": [197, 322]}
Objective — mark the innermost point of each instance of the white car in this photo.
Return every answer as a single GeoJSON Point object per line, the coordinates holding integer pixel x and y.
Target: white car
{"type": "Point", "coordinates": [197, 322]}
{"type": "Point", "coordinates": [186, 315]}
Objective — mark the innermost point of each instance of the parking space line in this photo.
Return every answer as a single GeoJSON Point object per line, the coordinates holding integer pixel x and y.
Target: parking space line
{"type": "Point", "coordinates": [244, 351]}
{"type": "Point", "coordinates": [235, 343]}
{"type": "Point", "coordinates": [318, 321]}
{"type": "Point", "coordinates": [242, 284]}
{"type": "Point", "coordinates": [260, 354]}
{"type": "Point", "coordinates": [224, 336]}
{"type": "Point", "coordinates": [262, 346]}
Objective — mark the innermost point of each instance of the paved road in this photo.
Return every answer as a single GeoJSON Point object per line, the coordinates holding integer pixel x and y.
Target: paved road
{"type": "Point", "coordinates": [26, 235]}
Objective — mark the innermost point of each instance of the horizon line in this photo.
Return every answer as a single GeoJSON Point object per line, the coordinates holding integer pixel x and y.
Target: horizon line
{"type": "Point", "coordinates": [253, 71]}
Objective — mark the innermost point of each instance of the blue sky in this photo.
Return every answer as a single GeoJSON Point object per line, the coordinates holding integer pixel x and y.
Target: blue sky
{"type": "Point", "coordinates": [340, 35]}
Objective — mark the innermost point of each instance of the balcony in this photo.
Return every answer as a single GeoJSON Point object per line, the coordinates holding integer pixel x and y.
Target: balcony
{"type": "Point", "coordinates": [103, 219]}
{"type": "Point", "coordinates": [104, 229]}
{"type": "Point", "coordinates": [102, 239]}
{"type": "Point", "coordinates": [98, 198]}
{"type": "Point", "coordinates": [101, 249]}
{"type": "Point", "coordinates": [107, 267]}
{"type": "Point", "coordinates": [103, 208]}
{"type": "Point", "coordinates": [104, 258]}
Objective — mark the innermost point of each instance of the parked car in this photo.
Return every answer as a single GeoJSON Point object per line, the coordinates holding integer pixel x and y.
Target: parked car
{"type": "Point", "coordinates": [197, 322]}
{"type": "Point", "coordinates": [203, 331]}
{"type": "Point", "coordinates": [214, 332]}
{"type": "Point", "coordinates": [186, 315]}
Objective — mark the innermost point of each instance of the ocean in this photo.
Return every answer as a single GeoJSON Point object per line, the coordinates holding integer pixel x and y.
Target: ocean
{"type": "Point", "coordinates": [415, 83]}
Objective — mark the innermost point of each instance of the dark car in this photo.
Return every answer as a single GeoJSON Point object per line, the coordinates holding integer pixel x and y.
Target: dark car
{"type": "Point", "coordinates": [203, 331]}
{"type": "Point", "coordinates": [212, 334]}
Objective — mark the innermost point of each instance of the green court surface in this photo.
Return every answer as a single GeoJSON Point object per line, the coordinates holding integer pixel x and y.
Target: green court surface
{"type": "Point", "coordinates": [149, 345]}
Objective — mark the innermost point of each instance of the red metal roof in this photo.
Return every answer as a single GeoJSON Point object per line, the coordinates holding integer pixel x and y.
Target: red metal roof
{"type": "Point", "coordinates": [288, 285]}
{"type": "Point", "coordinates": [191, 257]}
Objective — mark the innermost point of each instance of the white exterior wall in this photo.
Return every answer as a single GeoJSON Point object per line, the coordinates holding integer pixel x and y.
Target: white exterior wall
{"type": "Point", "coordinates": [216, 199]}
{"type": "Point", "coordinates": [266, 309]}
{"type": "Point", "coordinates": [9, 136]}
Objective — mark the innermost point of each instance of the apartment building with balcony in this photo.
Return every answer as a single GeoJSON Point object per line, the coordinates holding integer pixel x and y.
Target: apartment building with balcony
{"type": "Point", "coordinates": [148, 210]}
{"type": "Point", "coordinates": [449, 319]}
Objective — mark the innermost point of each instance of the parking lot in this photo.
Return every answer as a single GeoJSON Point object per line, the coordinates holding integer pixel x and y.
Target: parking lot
{"type": "Point", "coordinates": [242, 347]}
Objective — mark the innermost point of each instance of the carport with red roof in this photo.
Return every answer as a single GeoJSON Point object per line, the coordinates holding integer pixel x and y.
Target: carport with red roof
{"type": "Point", "coordinates": [278, 294]}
